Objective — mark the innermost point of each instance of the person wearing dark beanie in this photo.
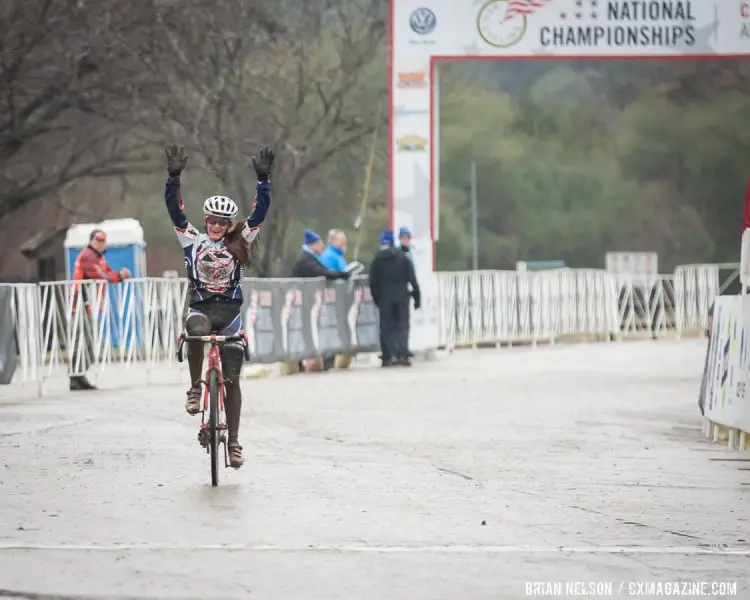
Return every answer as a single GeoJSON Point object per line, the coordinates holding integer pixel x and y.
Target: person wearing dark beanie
{"type": "Point", "coordinates": [308, 265]}
{"type": "Point", "coordinates": [391, 274]}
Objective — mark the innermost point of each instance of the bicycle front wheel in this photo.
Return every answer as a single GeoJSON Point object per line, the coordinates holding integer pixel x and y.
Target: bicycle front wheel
{"type": "Point", "coordinates": [213, 423]}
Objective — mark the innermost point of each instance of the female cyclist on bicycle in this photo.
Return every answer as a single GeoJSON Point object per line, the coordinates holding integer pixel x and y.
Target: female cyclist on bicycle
{"type": "Point", "coordinates": [215, 262]}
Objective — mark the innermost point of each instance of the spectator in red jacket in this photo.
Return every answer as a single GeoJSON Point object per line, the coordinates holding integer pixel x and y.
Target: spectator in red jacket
{"type": "Point", "coordinates": [89, 266]}
{"type": "Point", "coordinates": [91, 263]}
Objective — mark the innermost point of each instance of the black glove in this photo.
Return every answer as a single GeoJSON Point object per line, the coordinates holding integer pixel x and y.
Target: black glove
{"type": "Point", "coordinates": [264, 164]}
{"type": "Point", "coordinates": [417, 305]}
{"type": "Point", "coordinates": [176, 159]}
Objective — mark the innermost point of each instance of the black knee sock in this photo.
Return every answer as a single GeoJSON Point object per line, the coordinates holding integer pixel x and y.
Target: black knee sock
{"type": "Point", "coordinates": [195, 362]}
{"type": "Point", "coordinates": [233, 405]}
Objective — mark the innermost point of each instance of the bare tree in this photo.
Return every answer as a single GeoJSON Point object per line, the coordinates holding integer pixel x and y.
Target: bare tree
{"type": "Point", "coordinates": [79, 201]}
{"type": "Point", "coordinates": [71, 98]}
{"type": "Point", "coordinates": [305, 82]}
{"type": "Point", "coordinates": [89, 89]}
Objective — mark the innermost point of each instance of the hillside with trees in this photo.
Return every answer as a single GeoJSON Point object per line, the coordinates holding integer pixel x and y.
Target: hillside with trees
{"type": "Point", "coordinates": [575, 159]}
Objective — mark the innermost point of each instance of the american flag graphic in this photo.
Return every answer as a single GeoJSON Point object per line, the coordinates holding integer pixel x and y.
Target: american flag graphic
{"type": "Point", "coordinates": [523, 7]}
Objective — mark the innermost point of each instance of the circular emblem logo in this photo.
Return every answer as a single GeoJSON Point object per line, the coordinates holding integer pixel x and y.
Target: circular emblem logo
{"type": "Point", "coordinates": [423, 21]}
{"type": "Point", "coordinates": [493, 27]}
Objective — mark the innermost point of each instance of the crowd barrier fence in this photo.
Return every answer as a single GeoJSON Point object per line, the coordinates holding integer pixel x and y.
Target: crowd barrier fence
{"type": "Point", "coordinates": [137, 322]}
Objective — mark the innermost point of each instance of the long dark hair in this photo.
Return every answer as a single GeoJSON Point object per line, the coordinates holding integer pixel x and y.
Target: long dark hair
{"type": "Point", "coordinates": [240, 250]}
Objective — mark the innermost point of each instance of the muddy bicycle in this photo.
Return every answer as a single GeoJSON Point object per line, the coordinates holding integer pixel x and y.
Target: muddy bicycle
{"type": "Point", "coordinates": [213, 429]}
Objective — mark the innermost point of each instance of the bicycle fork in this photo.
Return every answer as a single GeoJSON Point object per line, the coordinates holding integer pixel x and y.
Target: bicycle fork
{"type": "Point", "coordinates": [204, 436]}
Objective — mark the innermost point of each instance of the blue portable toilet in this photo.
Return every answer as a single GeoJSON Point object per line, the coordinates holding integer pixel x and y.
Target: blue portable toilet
{"type": "Point", "coordinates": [126, 248]}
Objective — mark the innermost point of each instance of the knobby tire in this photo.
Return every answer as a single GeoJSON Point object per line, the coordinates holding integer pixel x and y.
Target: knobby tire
{"type": "Point", "coordinates": [213, 421]}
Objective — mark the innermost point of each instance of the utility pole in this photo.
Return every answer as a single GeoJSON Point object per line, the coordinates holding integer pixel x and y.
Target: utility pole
{"type": "Point", "coordinates": [366, 186]}
{"type": "Point", "coordinates": [474, 226]}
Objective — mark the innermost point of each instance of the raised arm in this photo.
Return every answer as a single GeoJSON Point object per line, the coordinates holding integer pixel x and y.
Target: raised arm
{"type": "Point", "coordinates": [263, 167]}
{"type": "Point", "coordinates": [175, 207]}
{"type": "Point", "coordinates": [176, 162]}
{"type": "Point", "coordinates": [260, 210]}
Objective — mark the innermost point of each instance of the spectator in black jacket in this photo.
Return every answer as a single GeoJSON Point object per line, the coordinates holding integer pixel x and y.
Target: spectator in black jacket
{"type": "Point", "coordinates": [404, 239]}
{"type": "Point", "coordinates": [391, 273]}
{"type": "Point", "coordinates": [307, 263]}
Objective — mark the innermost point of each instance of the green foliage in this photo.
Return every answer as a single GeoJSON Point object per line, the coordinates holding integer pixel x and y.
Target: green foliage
{"type": "Point", "coordinates": [575, 160]}
{"type": "Point", "coordinates": [453, 248]}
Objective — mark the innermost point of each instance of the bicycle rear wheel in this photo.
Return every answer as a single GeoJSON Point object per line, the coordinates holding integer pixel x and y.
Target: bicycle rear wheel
{"type": "Point", "coordinates": [213, 423]}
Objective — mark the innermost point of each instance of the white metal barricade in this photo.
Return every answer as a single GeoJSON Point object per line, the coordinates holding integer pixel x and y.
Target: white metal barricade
{"type": "Point", "coordinates": [487, 307]}
{"type": "Point", "coordinates": [506, 307]}
{"type": "Point", "coordinates": [137, 322]}
{"type": "Point", "coordinates": [695, 288]}
{"type": "Point", "coordinates": [98, 325]}
{"type": "Point", "coordinates": [26, 322]}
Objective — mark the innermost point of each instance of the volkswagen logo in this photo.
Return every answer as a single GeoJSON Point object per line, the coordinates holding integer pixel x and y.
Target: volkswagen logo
{"type": "Point", "coordinates": [423, 21]}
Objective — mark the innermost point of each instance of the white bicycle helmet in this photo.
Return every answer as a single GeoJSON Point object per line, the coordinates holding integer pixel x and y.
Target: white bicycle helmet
{"type": "Point", "coordinates": [220, 206]}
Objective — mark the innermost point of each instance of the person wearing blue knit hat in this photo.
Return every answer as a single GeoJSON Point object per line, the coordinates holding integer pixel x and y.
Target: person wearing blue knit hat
{"type": "Point", "coordinates": [391, 274]}
{"type": "Point", "coordinates": [404, 241]}
{"type": "Point", "coordinates": [308, 264]}
{"type": "Point", "coordinates": [311, 238]}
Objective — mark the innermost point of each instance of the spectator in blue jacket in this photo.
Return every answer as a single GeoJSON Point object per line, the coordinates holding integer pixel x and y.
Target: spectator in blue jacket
{"type": "Point", "coordinates": [333, 256]}
{"type": "Point", "coordinates": [308, 262]}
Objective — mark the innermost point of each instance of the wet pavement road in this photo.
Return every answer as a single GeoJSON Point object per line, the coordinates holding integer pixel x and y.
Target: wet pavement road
{"type": "Point", "coordinates": [466, 477]}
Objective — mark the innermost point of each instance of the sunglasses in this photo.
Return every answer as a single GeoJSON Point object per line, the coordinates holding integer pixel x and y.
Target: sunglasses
{"type": "Point", "coordinates": [218, 221]}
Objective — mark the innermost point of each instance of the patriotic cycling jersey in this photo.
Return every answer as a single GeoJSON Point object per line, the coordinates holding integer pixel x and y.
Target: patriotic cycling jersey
{"type": "Point", "coordinates": [211, 269]}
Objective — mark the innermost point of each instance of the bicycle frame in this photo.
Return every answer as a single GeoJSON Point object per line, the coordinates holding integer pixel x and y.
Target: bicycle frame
{"type": "Point", "coordinates": [214, 364]}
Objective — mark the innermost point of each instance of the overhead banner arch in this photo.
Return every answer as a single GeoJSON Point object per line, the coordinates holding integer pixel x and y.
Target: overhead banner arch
{"type": "Point", "coordinates": [422, 32]}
